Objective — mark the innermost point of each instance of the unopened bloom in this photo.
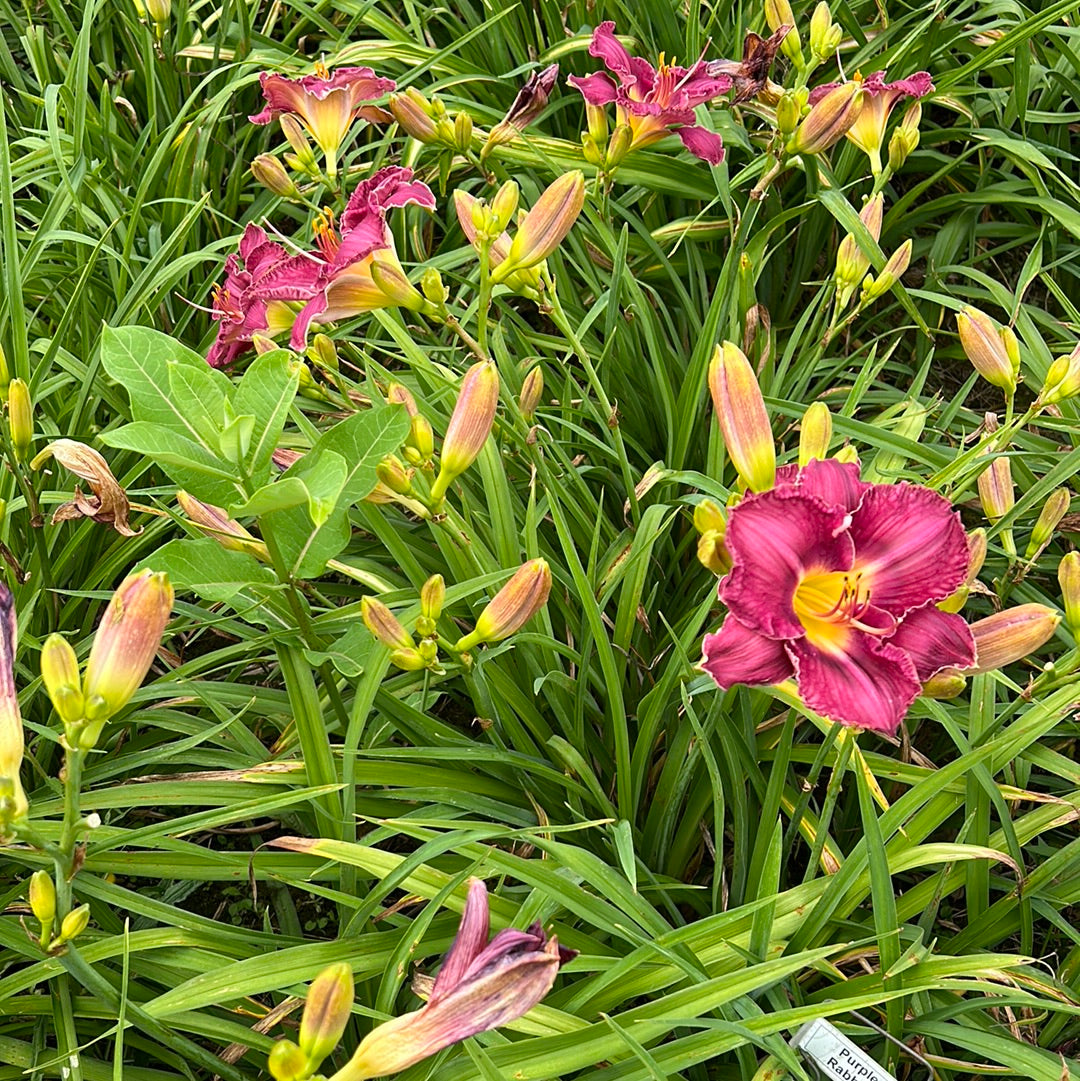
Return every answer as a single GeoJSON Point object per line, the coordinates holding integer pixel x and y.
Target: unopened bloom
{"type": "Point", "coordinates": [126, 642]}
{"type": "Point", "coordinates": [532, 390]}
{"type": "Point", "coordinates": [1054, 509]}
{"type": "Point", "coordinates": [384, 625]}
{"type": "Point", "coordinates": [326, 104]}
{"type": "Point", "coordinates": [470, 424]}
{"type": "Point", "coordinates": [530, 102]}
{"type": "Point", "coordinates": [1062, 379]}
{"type": "Point", "coordinates": [711, 524]}
{"type": "Point", "coordinates": [829, 120]}
{"type": "Point", "coordinates": [261, 277]}
{"type": "Point", "coordinates": [62, 679]}
{"type": "Point", "coordinates": [228, 532]}
{"type": "Point", "coordinates": [545, 226]}
{"type": "Point", "coordinates": [996, 491]}
{"type": "Point", "coordinates": [326, 1012]}
{"type": "Point", "coordinates": [20, 418]}
{"type": "Point", "coordinates": [992, 350]}
{"type": "Point", "coordinates": [480, 986]}
{"type": "Point", "coordinates": [269, 172]}
{"type": "Point", "coordinates": [43, 900]}
{"type": "Point", "coordinates": [512, 607]}
{"type": "Point", "coordinates": [13, 804]}
{"type": "Point", "coordinates": [852, 263]}
{"type": "Point", "coordinates": [650, 101]}
{"type": "Point", "coordinates": [1011, 635]}
{"type": "Point", "coordinates": [415, 115]}
{"type": "Point", "coordinates": [1069, 581]}
{"type": "Point", "coordinates": [344, 284]}
{"type": "Point", "coordinates": [815, 433]}
{"type": "Point", "coordinates": [894, 269]}
{"type": "Point", "coordinates": [740, 409]}
{"type": "Point", "coordinates": [834, 583]}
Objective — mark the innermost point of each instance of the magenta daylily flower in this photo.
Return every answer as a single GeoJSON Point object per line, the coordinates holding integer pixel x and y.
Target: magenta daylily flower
{"type": "Point", "coordinates": [261, 277]}
{"type": "Point", "coordinates": [879, 100]}
{"type": "Point", "coordinates": [326, 103]}
{"type": "Point", "coordinates": [344, 284]}
{"type": "Point", "coordinates": [834, 583]}
{"type": "Point", "coordinates": [481, 986]}
{"type": "Point", "coordinates": [653, 101]}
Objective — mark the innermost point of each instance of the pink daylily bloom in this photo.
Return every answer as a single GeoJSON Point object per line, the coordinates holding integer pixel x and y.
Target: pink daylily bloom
{"type": "Point", "coordinates": [879, 100]}
{"type": "Point", "coordinates": [481, 986]}
{"type": "Point", "coordinates": [261, 277]}
{"type": "Point", "coordinates": [653, 101]}
{"type": "Point", "coordinates": [834, 583]}
{"type": "Point", "coordinates": [344, 284]}
{"type": "Point", "coordinates": [326, 103]}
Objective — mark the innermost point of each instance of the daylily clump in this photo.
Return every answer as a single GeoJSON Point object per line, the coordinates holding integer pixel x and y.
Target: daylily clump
{"type": "Point", "coordinates": [653, 101]}
{"type": "Point", "coordinates": [834, 583]}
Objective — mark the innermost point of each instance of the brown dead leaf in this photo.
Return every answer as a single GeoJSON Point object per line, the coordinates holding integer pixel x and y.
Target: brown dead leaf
{"type": "Point", "coordinates": [109, 502]}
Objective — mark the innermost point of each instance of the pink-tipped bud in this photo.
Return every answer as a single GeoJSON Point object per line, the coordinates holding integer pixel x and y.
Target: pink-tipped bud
{"type": "Point", "coordinates": [269, 172]}
{"type": "Point", "coordinates": [20, 418]}
{"type": "Point", "coordinates": [1062, 379]}
{"type": "Point", "coordinates": [228, 532]}
{"type": "Point", "coordinates": [740, 409]}
{"type": "Point", "coordinates": [1011, 635]}
{"type": "Point", "coordinates": [326, 1013]}
{"type": "Point", "coordinates": [384, 625]}
{"type": "Point", "coordinates": [815, 434]}
{"type": "Point", "coordinates": [1069, 581]}
{"type": "Point", "coordinates": [532, 390]}
{"type": "Point", "coordinates": [990, 348]}
{"type": "Point", "coordinates": [829, 120]}
{"type": "Point", "coordinates": [893, 270]}
{"type": "Point", "coordinates": [62, 679]}
{"type": "Point", "coordinates": [545, 226]}
{"type": "Point", "coordinates": [1054, 509]}
{"type": "Point", "coordinates": [414, 115]}
{"type": "Point", "coordinates": [470, 424]}
{"type": "Point", "coordinates": [513, 606]}
{"type": "Point", "coordinates": [396, 394]}
{"type": "Point", "coordinates": [996, 489]}
{"type": "Point", "coordinates": [126, 642]}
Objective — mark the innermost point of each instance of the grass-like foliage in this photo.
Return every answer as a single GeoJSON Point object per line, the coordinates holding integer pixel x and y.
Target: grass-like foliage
{"type": "Point", "coordinates": [445, 517]}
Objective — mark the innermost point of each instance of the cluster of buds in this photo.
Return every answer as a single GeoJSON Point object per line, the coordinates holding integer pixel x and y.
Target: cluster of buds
{"type": "Point", "coordinates": [711, 525]}
{"type": "Point", "coordinates": [852, 263]}
{"type": "Point", "coordinates": [1062, 379]}
{"type": "Point", "coordinates": [43, 905]}
{"type": "Point", "coordinates": [993, 350]}
{"type": "Point", "coordinates": [602, 147]}
{"type": "Point", "coordinates": [124, 647]}
{"type": "Point", "coordinates": [894, 269]}
{"type": "Point", "coordinates": [405, 652]}
{"type": "Point", "coordinates": [326, 1013]}
{"type": "Point", "coordinates": [427, 121]}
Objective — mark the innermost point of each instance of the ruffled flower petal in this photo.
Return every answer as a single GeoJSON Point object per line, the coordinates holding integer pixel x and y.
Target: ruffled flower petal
{"type": "Point", "coordinates": [910, 546]}
{"type": "Point", "coordinates": [606, 47]}
{"type": "Point", "coordinates": [596, 89]}
{"type": "Point", "coordinates": [775, 538]}
{"type": "Point", "coordinates": [736, 654]}
{"type": "Point", "coordinates": [934, 640]}
{"type": "Point", "coordinates": [703, 144]}
{"type": "Point", "coordinates": [833, 482]}
{"type": "Point", "coordinates": [869, 684]}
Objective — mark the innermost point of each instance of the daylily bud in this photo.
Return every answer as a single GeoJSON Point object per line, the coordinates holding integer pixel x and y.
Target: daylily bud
{"type": "Point", "coordinates": [1069, 581]}
{"type": "Point", "coordinates": [263, 344]}
{"type": "Point", "coordinates": [384, 625]}
{"type": "Point", "coordinates": [5, 375]}
{"type": "Point", "coordinates": [470, 424]}
{"type": "Point", "coordinates": [326, 1013]}
{"type": "Point", "coordinates": [127, 641]}
{"type": "Point", "coordinates": [298, 140]}
{"type": "Point", "coordinates": [825, 36]}
{"type": "Point", "coordinates": [1011, 635]}
{"type": "Point", "coordinates": [740, 409]}
{"type": "Point", "coordinates": [323, 353]}
{"type": "Point", "coordinates": [269, 172]}
{"type": "Point", "coordinates": [513, 606]}
{"type": "Point", "coordinates": [709, 518]}
{"type": "Point", "coordinates": [591, 150]}
{"type": "Point", "coordinates": [420, 440]}
{"type": "Point", "coordinates": [852, 263]}
{"type": "Point", "coordinates": [984, 344]}
{"type": "Point", "coordinates": [73, 924]}
{"type": "Point", "coordinates": [815, 433]}
{"type": "Point", "coordinates": [286, 1062]}
{"type": "Point", "coordinates": [62, 679]}
{"type": "Point", "coordinates": [778, 13]}
{"type": "Point", "coordinates": [413, 113]}
{"type": "Point", "coordinates": [530, 101]}
{"type": "Point", "coordinates": [393, 283]}
{"type": "Point", "coordinates": [228, 532]}
{"type": "Point", "coordinates": [159, 10]}
{"type": "Point", "coordinates": [431, 285]}
{"type": "Point", "coordinates": [504, 205]}
{"type": "Point", "coordinates": [828, 120]}
{"type": "Point", "coordinates": [847, 453]}
{"type": "Point", "coordinates": [976, 557]}
{"type": "Point", "coordinates": [1062, 379]}
{"type": "Point", "coordinates": [532, 390]}
{"type": "Point", "coordinates": [410, 660]}
{"type": "Point", "coordinates": [545, 226]}
{"type": "Point", "coordinates": [429, 651]}
{"type": "Point", "coordinates": [597, 123]}
{"type": "Point", "coordinates": [398, 394]}
{"type": "Point", "coordinates": [13, 804]}
{"type": "Point", "coordinates": [712, 552]}
{"type": "Point", "coordinates": [432, 596]}
{"type": "Point", "coordinates": [946, 684]}
{"type": "Point", "coordinates": [788, 111]}
{"type": "Point", "coordinates": [891, 273]}
{"type": "Point", "coordinates": [463, 131]}
{"type": "Point", "coordinates": [618, 146]}
{"type": "Point", "coordinates": [43, 900]}
{"type": "Point", "coordinates": [394, 475]}
{"type": "Point", "coordinates": [20, 418]}
{"type": "Point", "coordinates": [996, 489]}
{"type": "Point", "coordinates": [906, 137]}
{"type": "Point", "coordinates": [1054, 509]}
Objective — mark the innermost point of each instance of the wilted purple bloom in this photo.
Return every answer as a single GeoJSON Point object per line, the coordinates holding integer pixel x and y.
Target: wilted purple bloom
{"type": "Point", "coordinates": [527, 106]}
{"type": "Point", "coordinates": [752, 72]}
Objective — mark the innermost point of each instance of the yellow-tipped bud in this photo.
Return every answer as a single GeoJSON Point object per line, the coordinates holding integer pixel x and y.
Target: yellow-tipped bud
{"type": "Point", "coordinates": [712, 552]}
{"type": "Point", "coordinates": [990, 348]}
{"type": "Point", "coordinates": [788, 112]}
{"type": "Point", "coordinates": [5, 375]}
{"type": "Point", "coordinates": [740, 409]}
{"type": "Point", "coordinates": [778, 13]}
{"type": "Point", "coordinates": [384, 625]}
{"type": "Point", "coordinates": [815, 434]}
{"type": "Point", "coordinates": [463, 132]}
{"type": "Point", "coordinates": [618, 146]}
{"type": "Point", "coordinates": [323, 353]}
{"type": "Point", "coordinates": [1069, 580]}
{"type": "Point", "coordinates": [504, 205]}
{"type": "Point", "coordinates": [73, 924]}
{"type": "Point", "coordinates": [420, 440]}
{"type": "Point", "coordinates": [298, 140]}
{"type": "Point", "coordinates": [62, 679]}
{"type": "Point", "coordinates": [392, 283]}
{"type": "Point", "coordinates": [286, 1062]}
{"type": "Point", "coordinates": [159, 10]}
{"type": "Point", "coordinates": [895, 268]}
{"type": "Point", "coordinates": [413, 113]}
{"type": "Point", "coordinates": [431, 285]}
{"type": "Point", "coordinates": [432, 597]}
{"type": "Point", "coordinates": [394, 475]}
{"type": "Point", "coordinates": [996, 489]}
{"type": "Point", "coordinates": [847, 453]}
{"type": "Point", "coordinates": [20, 418]}
{"type": "Point", "coordinates": [326, 1013]}
{"type": "Point", "coordinates": [43, 900]}
{"type": "Point", "coordinates": [852, 263]}
{"type": "Point", "coordinates": [1062, 379]}
{"type": "Point", "coordinates": [513, 606]}
{"type": "Point", "coordinates": [532, 390]}
{"type": "Point", "coordinates": [127, 641]}
{"type": "Point", "coordinates": [410, 660]}
{"type": "Point", "coordinates": [1011, 635]}
{"type": "Point", "coordinates": [906, 137]}
{"type": "Point", "coordinates": [470, 424]}
{"type": "Point", "coordinates": [545, 226]}
{"type": "Point", "coordinates": [709, 518]}
{"type": "Point", "coordinates": [269, 172]}
{"type": "Point", "coordinates": [829, 120]}
{"type": "Point", "coordinates": [825, 35]}
{"type": "Point", "coordinates": [1054, 509]}
{"type": "Point", "coordinates": [946, 684]}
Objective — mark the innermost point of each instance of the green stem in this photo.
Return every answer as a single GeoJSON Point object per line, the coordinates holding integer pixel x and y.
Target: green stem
{"type": "Point", "coordinates": [69, 830]}
{"type": "Point", "coordinates": [484, 298]}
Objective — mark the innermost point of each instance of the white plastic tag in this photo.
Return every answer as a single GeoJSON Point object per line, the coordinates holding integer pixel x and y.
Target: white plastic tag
{"type": "Point", "coordinates": [835, 1056]}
